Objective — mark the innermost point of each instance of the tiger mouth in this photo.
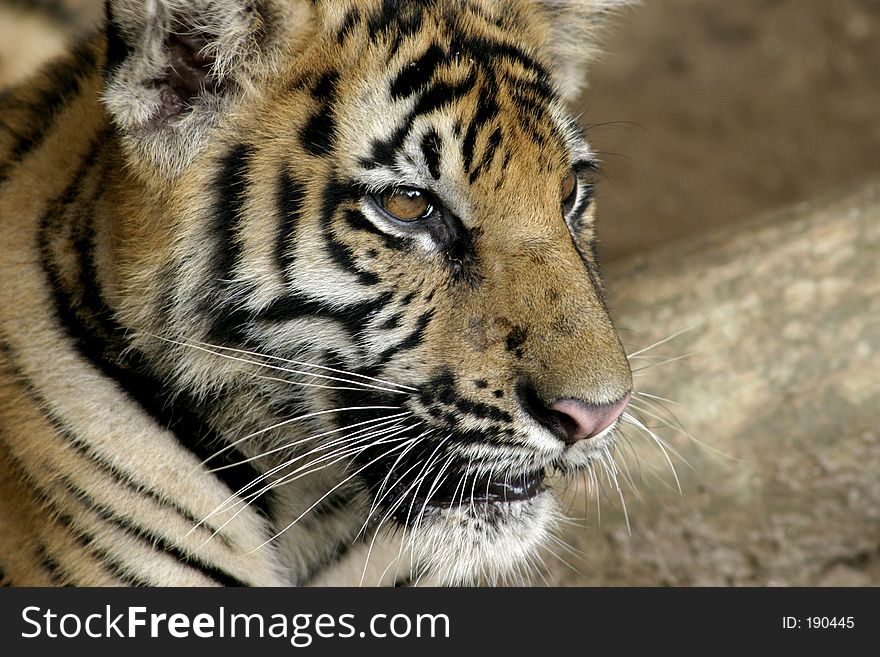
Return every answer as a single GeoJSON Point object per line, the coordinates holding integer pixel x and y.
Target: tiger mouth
{"type": "Point", "coordinates": [453, 494]}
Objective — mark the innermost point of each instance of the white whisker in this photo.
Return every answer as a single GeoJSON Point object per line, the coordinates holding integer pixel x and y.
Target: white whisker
{"type": "Point", "coordinates": [298, 418]}
{"type": "Point", "coordinates": [665, 340]}
{"type": "Point", "coordinates": [323, 497]}
{"type": "Point", "coordinates": [660, 443]}
{"type": "Point", "coordinates": [374, 422]}
{"type": "Point", "coordinates": [211, 348]}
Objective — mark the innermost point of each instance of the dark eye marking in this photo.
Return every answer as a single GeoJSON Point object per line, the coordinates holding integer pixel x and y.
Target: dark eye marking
{"type": "Point", "coordinates": [577, 190]}
{"type": "Point", "coordinates": [569, 189]}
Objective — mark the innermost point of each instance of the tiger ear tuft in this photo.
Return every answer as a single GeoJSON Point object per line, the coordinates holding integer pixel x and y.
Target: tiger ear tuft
{"type": "Point", "coordinates": [576, 28]}
{"type": "Point", "coordinates": [174, 66]}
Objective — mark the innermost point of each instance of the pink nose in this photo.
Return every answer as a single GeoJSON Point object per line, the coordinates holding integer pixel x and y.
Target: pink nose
{"type": "Point", "coordinates": [579, 420]}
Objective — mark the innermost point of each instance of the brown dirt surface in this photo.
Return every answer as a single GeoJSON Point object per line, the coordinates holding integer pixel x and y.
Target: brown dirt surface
{"type": "Point", "coordinates": [708, 112]}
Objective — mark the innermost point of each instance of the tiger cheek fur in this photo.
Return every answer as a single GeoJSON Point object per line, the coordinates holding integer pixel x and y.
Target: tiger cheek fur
{"type": "Point", "coordinates": [336, 371]}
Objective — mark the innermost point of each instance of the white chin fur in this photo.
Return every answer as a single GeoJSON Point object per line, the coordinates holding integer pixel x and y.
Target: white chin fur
{"type": "Point", "coordinates": [460, 547]}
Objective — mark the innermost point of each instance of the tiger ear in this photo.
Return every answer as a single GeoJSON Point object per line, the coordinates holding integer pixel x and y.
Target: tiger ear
{"type": "Point", "coordinates": [174, 66]}
{"type": "Point", "coordinates": [576, 28]}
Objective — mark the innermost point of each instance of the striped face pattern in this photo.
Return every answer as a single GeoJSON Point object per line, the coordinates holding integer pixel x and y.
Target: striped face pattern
{"type": "Point", "coordinates": [307, 284]}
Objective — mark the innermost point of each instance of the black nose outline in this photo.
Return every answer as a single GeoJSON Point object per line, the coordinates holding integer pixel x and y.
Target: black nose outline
{"type": "Point", "coordinates": [566, 427]}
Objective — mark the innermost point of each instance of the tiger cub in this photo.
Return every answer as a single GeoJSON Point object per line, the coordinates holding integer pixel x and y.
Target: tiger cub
{"type": "Point", "coordinates": [300, 292]}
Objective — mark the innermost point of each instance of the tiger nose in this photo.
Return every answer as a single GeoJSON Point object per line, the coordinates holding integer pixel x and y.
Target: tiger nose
{"type": "Point", "coordinates": [575, 420]}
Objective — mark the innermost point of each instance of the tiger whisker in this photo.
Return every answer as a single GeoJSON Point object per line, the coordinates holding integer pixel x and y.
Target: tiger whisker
{"type": "Point", "coordinates": [561, 560]}
{"type": "Point", "coordinates": [663, 421]}
{"type": "Point", "coordinates": [439, 478]}
{"type": "Point", "coordinates": [323, 497]}
{"type": "Point", "coordinates": [403, 497]}
{"type": "Point", "coordinates": [675, 452]}
{"type": "Point", "coordinates": [238, 359]}
{"type": "Point", "coordinates": [638, 370]}
{"type": "Point", "coordinates": [299, 363]}
{"type": "Point", "coordinates": [665, 340]}
{"type": "Point", "coordinates": [380, 496]}
{"type": "Point", "coordinates": [678, 424]}
{"type": "Point", "coordinates": [381, 493]}
{"type": "Point", "coordinates": [298, 418]}
{"type": "Point", "coordinates": [307, 470]}
{"type": "Point", "coordinates": [238, 496]}
{"type": "Point", "coordinates": [340, 449]}
{"type": "Point", "coordinates": [564, 545]}
{"type": "Point", "coordinates": [300, 441]}
{"type": "Point", "coordinates": [304, 384]}
{"type": "Point", "coordinates": [658, 441]}
{"type": "Point", "coordinates": [656, 397]}
{"type": "Point", "coordinates": [434, 484]}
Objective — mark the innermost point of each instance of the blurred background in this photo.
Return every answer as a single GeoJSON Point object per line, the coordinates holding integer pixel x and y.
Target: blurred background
{"type": "Point", "coordinates": [707, 112]}
{"type": "Point", "coordinates": [740, 233]}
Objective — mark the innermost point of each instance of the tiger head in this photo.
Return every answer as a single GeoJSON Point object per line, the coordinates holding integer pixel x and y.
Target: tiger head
{"type": "Point", "coordinates": [362, 236]}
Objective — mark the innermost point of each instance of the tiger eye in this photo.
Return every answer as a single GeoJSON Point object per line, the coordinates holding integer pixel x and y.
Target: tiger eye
{"type": "Point", "coordinates": [569, 187]}
{"type": "Point", "coordinates": [406, 203]}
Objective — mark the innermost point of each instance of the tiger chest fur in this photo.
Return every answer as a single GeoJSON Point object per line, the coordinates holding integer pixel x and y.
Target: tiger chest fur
{"type": "Point", "coordinates": [300, 292]}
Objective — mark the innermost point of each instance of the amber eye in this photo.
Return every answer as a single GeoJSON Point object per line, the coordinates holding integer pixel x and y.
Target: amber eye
{"type": "Point", "coordinates": [405, 203]}
{"type": "Point", "coordinates": [569, 189]}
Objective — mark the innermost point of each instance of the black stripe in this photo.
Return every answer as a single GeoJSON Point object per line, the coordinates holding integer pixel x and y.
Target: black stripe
{"type": "Point", "coordinates": [414, 339]}
{"type": "Point", "coordinates": [339, 252]}
{"type": "Point", "coordinates": [486, 50]}
{"type": "Point", "coordinates": [230, 184]}
{"type": "Point", "coordinates": [53, 569]}
{"type": "Point", "coordinates": [105, 349]}
{"type": "Point", "coordinates": [85, 540]}
{"type": "Point", "coordinates": [356, 220]}
{"type": "Point", "coordinates": [290, 198]}
{"type": "Point", "coordinates": [482, 411]}
{"type": "Point", "coordinates": [392, 322]}
{"type": "Point", "coordinates": [384, 151]}
{"type": "Point", "coordinates": [63, 82]}
{"type": "Point", "coordinates": [441, 95]}
{"type": "Point", "coordinates": [348, 23]}
{"type": "Point", "coordinates": [150, 538]}
{"type": "Point", "coordinates": [319, 132]}
{"type": "Point", "coordinates": [118, 49]}
{"type": "Point", "coordinates": [485, 164]}
{"type": "Point", "coordinates": [86, 451]}
{"type": "Point", "coordinates": [294, 306]}
{"type": "Point", "coordinates": [417, 74]}
{"type": "Point", "coordinates": [487, 109]}
{"type": "Point", "coordinates": [324, 90]}
{"type": "Point", "coordinates": [402, 19]}
{"type": "Point", "coordinates": [88, 543]}
{"type": "Point", "coordinates": [432, 147]}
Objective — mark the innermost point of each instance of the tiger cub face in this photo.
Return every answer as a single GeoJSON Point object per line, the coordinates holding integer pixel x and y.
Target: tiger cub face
{"type": "Point", "coordinates": [376, 216]}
